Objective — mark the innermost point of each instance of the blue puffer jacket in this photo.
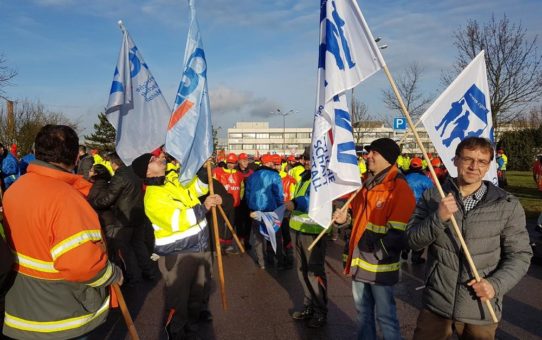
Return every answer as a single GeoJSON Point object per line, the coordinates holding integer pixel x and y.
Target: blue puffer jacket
{"type": "Point", "coordinates": [10, 169]}
{"type": "Point", "coordinates": [418, 182]}
{"type": "Point", "coordinates": [263, 190]}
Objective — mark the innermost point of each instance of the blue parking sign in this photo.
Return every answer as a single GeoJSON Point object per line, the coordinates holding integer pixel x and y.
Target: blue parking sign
{"type": "Point", "coordinates": [399, 123]}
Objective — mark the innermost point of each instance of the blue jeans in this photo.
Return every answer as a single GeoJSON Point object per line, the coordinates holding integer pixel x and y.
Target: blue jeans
{"type": "Point", "coordinates": [371, 298]}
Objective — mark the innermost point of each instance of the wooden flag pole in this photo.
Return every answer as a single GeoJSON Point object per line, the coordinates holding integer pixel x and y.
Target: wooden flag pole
{"type": "Point", "coordinates": [217, 242]}
{"type": "Point", "coordinates": [230, 227]}
{"type": "Point", "coordinates": [122, 303]}
{"type": "Point", "coordinates": [439, 187]}
{"type": "Point", "coordinates": [408, 132]}
{"type": "Point", "coordinates": [324, 231]}
{"type": "Point", "coordinates": [125, 313]}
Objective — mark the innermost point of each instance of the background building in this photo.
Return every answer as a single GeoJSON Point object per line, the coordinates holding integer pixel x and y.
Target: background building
{"type": "Point", "coordinates": [257, 138]}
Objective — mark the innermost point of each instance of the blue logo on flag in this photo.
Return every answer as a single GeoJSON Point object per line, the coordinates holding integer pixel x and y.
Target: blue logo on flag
{"type": "Point", "coordinates": [467, 117]}
{"type": "Point", "coordinates": [334, 34]}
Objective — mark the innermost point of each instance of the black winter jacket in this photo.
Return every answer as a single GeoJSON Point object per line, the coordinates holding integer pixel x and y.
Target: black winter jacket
{"type": "Point", "coordinates": [125, 195]}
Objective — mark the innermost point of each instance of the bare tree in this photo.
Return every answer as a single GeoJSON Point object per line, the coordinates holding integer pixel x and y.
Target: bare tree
{"type": "Point", "coordinates": [514, 67]}
{"type": "Point", "coordinates": [6, 75]}
{"type": "Point", "coordinates": [360, 115]}
{"type": "Point", "coordinates": [29, 117]}
{"type": "Point", "coordinates": [408, 84]}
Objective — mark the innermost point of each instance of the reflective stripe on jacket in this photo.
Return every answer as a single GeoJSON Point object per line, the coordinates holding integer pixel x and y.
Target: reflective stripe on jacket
{"type": "Point", "coordinates": [60, 291]}
{"type": "Point", "coordinates": [177, 217]}
{"type": "Point", "coordinates": [381, 211]}
{"type": "Point", "coordinates": [300, 220]}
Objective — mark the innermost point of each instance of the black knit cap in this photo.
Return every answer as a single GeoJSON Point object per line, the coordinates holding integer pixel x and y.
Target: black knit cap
{"type": "Point", "coordinates": [140, 165]}
{"type": "Point", "coordinates": [387, 148]}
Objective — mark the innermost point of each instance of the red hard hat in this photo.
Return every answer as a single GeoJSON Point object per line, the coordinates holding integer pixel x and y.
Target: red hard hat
{"type": "Point", "coordinates": [416, 163]}
{"type": "Point", "coordinates": [291, 158]}
{"type": "Point", "coordinates": [436, 162]}
{"type": "Point", "coordinates": [276, 159]}
{"type": "Point", "coordinates": [231, 158]}
{"type": "Point", "coordinates": [267, 158]}
{"type": "Point", "coordinates": [243, 156]}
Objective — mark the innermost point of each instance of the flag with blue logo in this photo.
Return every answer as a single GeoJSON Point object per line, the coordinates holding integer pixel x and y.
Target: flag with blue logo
{"type": "Point", "coordinates": [462, 110]}
{"type": "Point", "coordinates": [270, 223]}
{"type": "Point", "coordinates": [136, 108]}
{"type": "Point", "coordinates": [348, 55]}
{"type": "Point", "coordinates": [189, 133]}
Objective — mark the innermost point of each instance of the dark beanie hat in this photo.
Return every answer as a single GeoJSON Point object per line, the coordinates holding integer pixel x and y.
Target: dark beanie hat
{"type": "Point", "coordinates": [140, 165]}
{"type": "Point", "coordinates": [387, 148]}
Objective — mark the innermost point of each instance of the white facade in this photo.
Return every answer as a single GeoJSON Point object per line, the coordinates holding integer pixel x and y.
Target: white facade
{"type": "Point", "coordinates": [257, 138]}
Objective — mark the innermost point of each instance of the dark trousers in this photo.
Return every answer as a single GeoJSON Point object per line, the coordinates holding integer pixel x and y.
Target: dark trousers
{"type": "Point", "coordinates": [121, 252]}
{"type": "Point", "coordinates": [311, 271]}
{"type": "Point", "coordinates": [141, 251]}
{"type": "Point", "coordinates": [431, 326]}
{"type": "Point", "coordinates": [187, 278]}
{"type": "Point", "coordinates": [243, 221]}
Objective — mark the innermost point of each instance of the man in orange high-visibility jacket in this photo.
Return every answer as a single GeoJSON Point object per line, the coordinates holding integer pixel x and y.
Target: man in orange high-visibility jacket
{"type": "Point", "coordinates": [380, 213]}
{"type": "Point", "coordinates": [61, 287]}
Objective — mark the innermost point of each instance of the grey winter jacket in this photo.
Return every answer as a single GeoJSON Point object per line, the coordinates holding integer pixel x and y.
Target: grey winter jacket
{"type": "Point", "coordinates": [495, 234]}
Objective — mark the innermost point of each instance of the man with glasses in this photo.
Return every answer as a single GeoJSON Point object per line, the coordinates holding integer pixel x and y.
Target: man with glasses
{"type": "Point", "coordinates": [492, 222]}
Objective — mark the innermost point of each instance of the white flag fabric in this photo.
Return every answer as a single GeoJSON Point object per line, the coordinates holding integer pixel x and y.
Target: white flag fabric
{"type": "Point", "coordinates": [270, 223]}
{"type": "Point", "coordinates": [462, 110]}
{"type": "Point", "coordinates": [136, 108]}
{"type": "Point", "coordinates": [190, 138]}
{"type": "Point", "coordinates": [348, 55]}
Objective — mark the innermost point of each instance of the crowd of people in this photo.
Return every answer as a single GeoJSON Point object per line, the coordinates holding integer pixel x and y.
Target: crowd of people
{"type": "Point", "coordinates": [92, 221]}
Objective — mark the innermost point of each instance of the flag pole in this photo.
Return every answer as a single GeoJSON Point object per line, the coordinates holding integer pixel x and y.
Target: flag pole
{"type": "Point", "coordinates": [439, 187]}
{"type": "Point", "coordinates": [217, 242]}
{"type": "Point", "coordinates": [343, 208]}
{"type": "Point", "coordinates": [408, 132]}
{"type": "Point", "coordinates": [125, 312]}
{"type": "Point", "coordinates": [230, 227]}
{"type": "Point", "coordinates": [122, 303]}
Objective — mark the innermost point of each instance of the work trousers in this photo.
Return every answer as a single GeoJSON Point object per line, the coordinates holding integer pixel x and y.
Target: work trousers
{"type": "Point", "coordinates": [311, 271]}
{"type": "Point", "coordinates": [430, 326]}
{"type": "Point", "coordinates": [121, 252]}
{"type": "Point", "coordinates": [187, 278]}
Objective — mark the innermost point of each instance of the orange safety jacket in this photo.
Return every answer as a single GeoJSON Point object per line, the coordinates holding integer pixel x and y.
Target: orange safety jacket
{"type": "Point", "coordinates": [60, 290]}
{"type": "Point", "coordinates": [233, 182]}
{"type": "Point", "coordinates": [288, 186]}
{"type": "Point", "coordinates": [380, 215]}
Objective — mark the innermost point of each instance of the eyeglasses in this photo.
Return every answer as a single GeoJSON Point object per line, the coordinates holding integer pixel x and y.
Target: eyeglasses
{"type": "Point", "coordinates": [471, 161]}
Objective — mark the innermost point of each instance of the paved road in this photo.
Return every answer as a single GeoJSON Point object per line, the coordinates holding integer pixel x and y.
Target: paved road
{"type": "Point", "coordinates": [260, 301]}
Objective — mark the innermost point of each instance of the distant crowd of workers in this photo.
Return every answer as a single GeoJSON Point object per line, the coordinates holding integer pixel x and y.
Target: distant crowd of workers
{"type": "Point", "coordinates": [93, 220]}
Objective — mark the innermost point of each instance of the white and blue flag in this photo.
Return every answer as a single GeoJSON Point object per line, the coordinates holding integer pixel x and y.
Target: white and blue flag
{"type": "Point", "coordinates": [270, 223]}
{"type": "Point", "coordinates": [348, 55]}
{"type": "Point", "coordinates": [189, 137]}
{"type": "Point", "coordinates": [462, 110]}
{"type": "Point", "coordinates": [136, 108]}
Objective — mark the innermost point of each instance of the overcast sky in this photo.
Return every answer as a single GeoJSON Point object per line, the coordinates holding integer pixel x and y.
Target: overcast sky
{"type": "Point", "coordinates": [261, 54]}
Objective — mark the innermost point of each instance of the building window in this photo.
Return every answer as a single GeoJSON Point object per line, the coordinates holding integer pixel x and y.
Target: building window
{"type": "Point", "coordinates": [276, 146]}
{"type": "Point", "coordinates": [235, 146]}
{"type": "Point", "coordinates": [275, 136]}
{"type": "Point", "coordinates": [262, 146]}
{"type": "Point", "coordinates": [248, 146]}
{"type": "Point", "coordinates": [262, 135]}
{"type": "Point", "coordinates": [249, 135]}
{"type": "Point", "coordinates": [303, 135]}
{"type": "Point", "coordinates": [236, 135]}
{"type": "Point", "coordinates": [289, 135]}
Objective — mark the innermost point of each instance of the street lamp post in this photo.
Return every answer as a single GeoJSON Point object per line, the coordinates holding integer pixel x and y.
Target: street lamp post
{"type": "Point", "coordinates": [284, 114]}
